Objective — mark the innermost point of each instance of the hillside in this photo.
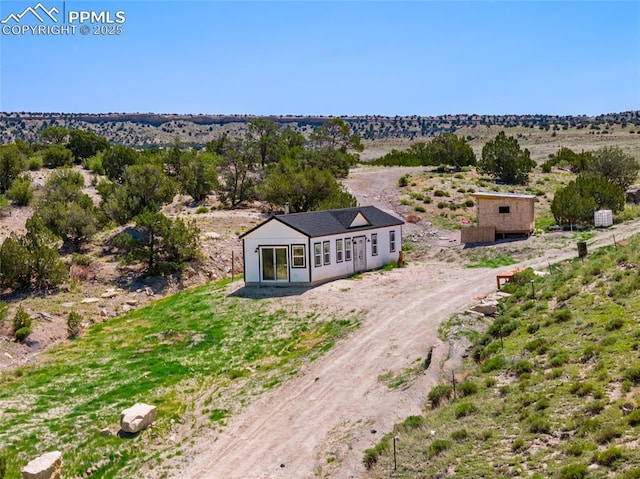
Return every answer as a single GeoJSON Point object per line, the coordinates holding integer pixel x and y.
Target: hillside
{"type": "Point", "coordinates": [551, 386]}
{"type": "Point", "coordinates": [378, 132]}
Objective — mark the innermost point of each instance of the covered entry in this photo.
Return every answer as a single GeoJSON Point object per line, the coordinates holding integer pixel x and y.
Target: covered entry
{"type": "Point", "coordinates": [274, 263]}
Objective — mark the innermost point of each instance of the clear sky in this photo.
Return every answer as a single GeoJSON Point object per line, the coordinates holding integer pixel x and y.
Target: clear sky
{"type": "Point", "coordinates": [326, 58]}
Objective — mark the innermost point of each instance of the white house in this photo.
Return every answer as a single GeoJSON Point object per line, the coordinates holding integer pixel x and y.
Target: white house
{"type": "Point", "coordinates": [313, 247]}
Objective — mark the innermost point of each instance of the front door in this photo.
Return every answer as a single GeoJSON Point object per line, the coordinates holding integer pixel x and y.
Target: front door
{"type": "Point", "coordinates": [359, 254]}
{"type": "Point", "coordinates": [274, 264]}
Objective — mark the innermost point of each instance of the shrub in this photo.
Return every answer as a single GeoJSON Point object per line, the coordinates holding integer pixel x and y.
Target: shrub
{"type": "Point", "coordinates": [594, 407]}
{"type": "Point", "coordinates": [21, 324]}
{"type": "Point", "coordinates": [81, 259]}
{"type": "Point", "coordinates": [632, 473]}
{"type": "Point", "coordinates": [371, 455]}
{"type": "Point", "coordinates": [539, 425]}
{"type": "Point", "coordinates": [522, 367]}
{"type": "Point", "coordinates": [469, 203]}
{"type": "Point", "coordinates": [202, 209]}
{"type": "Point", "coordinates": [21, 191]}
{"type": "Point", "coordinates": [467, 388]}
{"type": "Point", "coordinates": [420, 209]}
{"type": "Point", "coordinates": [3, 467]}
{"type": "Point", "coordinates": [34, 164]}
{"type": "Point", "coordinates": [438, 394]}
{"type": "Point", "coordinates": [22, 334]}
{"type": "Point", "coordinates": [57, 155]}
{"type": "Point", "coordinates": [464, 409]}
{"type": "Point", "coordinates": [614, 323]}
{"type": "Point", "coordinates": [73, 324]}
{"type": "Point", "coordinates": [441, 193]}
{"type": "Point", "coordinates": [427, 200]}
{"type": "Point", "coordinates": [633, 418]}
{"type": "Point", "coordinates": [581, 389]}
{"type": "Point", "coordinates": [561, 315]}
{"type": "Point", "coordinates": [558, 358]}
{"type": "Point", "coordinates": [442, 205]}
{"type": "Point", "coordinates": [493, 364]}
{"type": "Point", "coordinates": [533, 328]}
{"type": "Point", "coordinates": [403, 181]}
{"type": "Point", "coordinates": [438, 446]}
{"type": "Point", "coordinates": [538, 345]}
{"type": "Point", "coordinates": [573, 471]}
{"type": "Point", "coordinates": [633, 374]}
{"type": "Point", "coordinates": [413, 422]}
{"type": "Point", "coordinates": [518, 445]}
{"type": "Point", "coordinates": [574, 449]}
{"type": "Point", "coordinates": [542, 404]}
{"type": "Point", "coordinates": [459, 435]}
{"type": "Point", "coordinates": [608, 456]}
{"type": "Point", "coordinates": [607, 434]}
{"type": "Point", "coordinates": [94, 164]}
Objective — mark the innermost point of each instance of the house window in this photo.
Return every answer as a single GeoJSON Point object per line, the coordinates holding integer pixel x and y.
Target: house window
{"type": "Point", "coordinates": [317, 254]}
{"type": "Point", "coordinates": [392, 241]}
{"type": "Point", "coordinates": [347, 249]}
{"type": "Point", "coordinates": [503, 209]}
{"type": "Point", "coordinates": [374, 244]}
{"type": "Point", "coordinates": [298, 256]}
{"type": "Point", "coordinates": [326, 247]}
{"type": "Point", "coordinates": [338, 251]}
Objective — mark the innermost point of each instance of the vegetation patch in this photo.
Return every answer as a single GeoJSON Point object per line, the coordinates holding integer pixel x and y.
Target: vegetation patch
{"type": "Point", "coordinates": [197, 354]}
{"type": "Point", "coordinates": [554, 384]}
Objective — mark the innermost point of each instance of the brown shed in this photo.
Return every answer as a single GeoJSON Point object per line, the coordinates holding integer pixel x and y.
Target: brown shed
{"type": "Point", "coordinates": [499, 215]}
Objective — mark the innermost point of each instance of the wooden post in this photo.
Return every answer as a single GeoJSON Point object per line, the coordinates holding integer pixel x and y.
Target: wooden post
{"type": "Point", "coordinates": [453, 381]}
{"type": "Point", "coordinates": [395, 461]}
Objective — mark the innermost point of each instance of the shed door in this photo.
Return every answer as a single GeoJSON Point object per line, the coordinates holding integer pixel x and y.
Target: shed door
{"type": "Point", "coordinates": [274, 264]}
{"type": "Point", "coordinates": [359, 254]}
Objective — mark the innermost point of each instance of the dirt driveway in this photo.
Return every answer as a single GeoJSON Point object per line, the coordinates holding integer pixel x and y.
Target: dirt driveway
{"type": "Point", "coordinates": [332, 407]}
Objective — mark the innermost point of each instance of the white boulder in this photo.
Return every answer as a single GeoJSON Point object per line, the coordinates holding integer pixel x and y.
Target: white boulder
{"type": "Point", "coordinates": [137, 417]}
{"type": "Point", "coordinates": [486, 307]}
{"type": "Point", "coordinates": [47, 466]}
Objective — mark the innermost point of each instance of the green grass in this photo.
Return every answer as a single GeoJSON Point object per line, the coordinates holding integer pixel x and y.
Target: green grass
{"type": "Point", "coordinates": [553, 396]}
{"type": "Point", "coordinates": [480, 261]}
{"type": "Point", "coordinates": [193, 355]}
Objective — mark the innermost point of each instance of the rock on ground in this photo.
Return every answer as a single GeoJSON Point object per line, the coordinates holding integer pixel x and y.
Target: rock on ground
{"type": "Point", "coordinates": [137, 417]}
{"type": "Point", "coordinates": [47, 466]}
{"type": "Point", "coordinates": [486, 307]}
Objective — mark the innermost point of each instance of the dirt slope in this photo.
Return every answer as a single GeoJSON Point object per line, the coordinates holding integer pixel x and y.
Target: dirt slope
{"type": "Point", "coordinates": [331, 409]}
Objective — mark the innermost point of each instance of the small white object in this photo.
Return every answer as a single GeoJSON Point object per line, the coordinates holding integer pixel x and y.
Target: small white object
{"type": "Point", "coordinates": [603, 218]}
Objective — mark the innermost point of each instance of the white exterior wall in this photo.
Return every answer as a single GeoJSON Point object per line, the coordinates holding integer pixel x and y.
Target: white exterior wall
{"type": "Point", "coordinates": [273, 233]}
{"type": "Point", "coordinates": [346, 268]}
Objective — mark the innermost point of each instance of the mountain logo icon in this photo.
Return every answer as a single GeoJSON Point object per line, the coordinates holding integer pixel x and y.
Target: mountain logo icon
{"type": "Point", "coordinates": [39, 11]}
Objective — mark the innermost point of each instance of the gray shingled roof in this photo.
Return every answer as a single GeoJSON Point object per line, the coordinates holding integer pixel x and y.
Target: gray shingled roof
{"type": "Point", "coordinates": [329, 222]}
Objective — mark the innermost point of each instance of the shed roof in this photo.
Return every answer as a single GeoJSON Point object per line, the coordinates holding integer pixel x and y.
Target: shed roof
{"type": "Point", "coordinates": [489, 195]}
{"type": "Point", "coordinates": [330, 222]}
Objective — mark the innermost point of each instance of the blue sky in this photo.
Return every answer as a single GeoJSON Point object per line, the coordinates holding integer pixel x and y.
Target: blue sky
{"type": "Point", "coordinates": [330, 58]}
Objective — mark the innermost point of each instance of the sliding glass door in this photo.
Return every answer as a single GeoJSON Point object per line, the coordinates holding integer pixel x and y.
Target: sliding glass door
{"type": "Point", "coordinates": [274, 264]}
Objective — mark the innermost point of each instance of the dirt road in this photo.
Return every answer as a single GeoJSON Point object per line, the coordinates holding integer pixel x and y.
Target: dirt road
{"type": "Point", "coordinates": [331, 409]}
